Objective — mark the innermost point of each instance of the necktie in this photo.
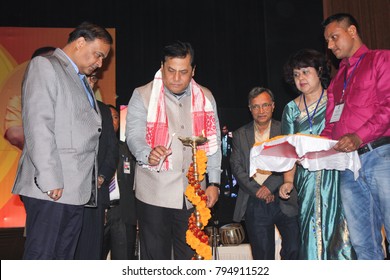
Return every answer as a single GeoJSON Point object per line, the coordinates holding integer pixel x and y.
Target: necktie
{"type": "Point", "coordinates": [224, 146]}
{"type": "Point", "coordinates": [114, 188]}
{"type": "Point", "coordinates": [89, 92]}
{"type": "Point", "coordinates": [112, 185]}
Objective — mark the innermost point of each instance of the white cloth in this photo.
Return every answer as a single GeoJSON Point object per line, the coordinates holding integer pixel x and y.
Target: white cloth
{"type": "Point", "coordinates": [244, 251]}
{"type": "Point", "coordinates": [312, 152]}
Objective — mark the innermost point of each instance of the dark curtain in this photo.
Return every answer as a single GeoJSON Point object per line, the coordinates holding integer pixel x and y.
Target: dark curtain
{"type": "Point", "coordinates": [373, 17]}
{"type": "Point", "coordinates": [238, 44]}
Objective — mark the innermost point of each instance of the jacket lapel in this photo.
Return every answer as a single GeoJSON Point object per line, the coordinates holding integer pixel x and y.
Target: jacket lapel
{"type": "Point", "coordinates": [275, 129]}
{"type": "Point", "coordinates": [250, 141]}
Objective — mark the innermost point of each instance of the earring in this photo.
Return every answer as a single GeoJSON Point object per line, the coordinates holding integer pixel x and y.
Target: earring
{"type": "Point", "coordinates": [319, 71]}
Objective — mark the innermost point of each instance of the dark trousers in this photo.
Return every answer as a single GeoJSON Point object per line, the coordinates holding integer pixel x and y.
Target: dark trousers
{"type": "Point", "coordinates": [163, 230]}
{"type": "Point", "coordinates": [90, 244]}
{"type": "Point", "coordinates": [260, 221]}
{"type": "Point", "coordinates": [119, 236]}
{"type": "Point", "coordinates": [52, 229]}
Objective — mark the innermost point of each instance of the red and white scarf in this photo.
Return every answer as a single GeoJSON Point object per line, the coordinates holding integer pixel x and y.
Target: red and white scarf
{"type": "Point", "coordinates": [203, 120]}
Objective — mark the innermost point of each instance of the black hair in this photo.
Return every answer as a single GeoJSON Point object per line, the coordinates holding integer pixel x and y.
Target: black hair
{"type": "Point", "coordinates": [307, 58]}
{"type": "Point", "coordinates": [178, 49]}
{"type": "Point", "coordinates": [43, 51]}
{"type": "Point", "coordinates": [257, 91]}
{"type": "Point", "coordinates": [339, 17]}
{"type": "Point", "coordinates": [90, 32]}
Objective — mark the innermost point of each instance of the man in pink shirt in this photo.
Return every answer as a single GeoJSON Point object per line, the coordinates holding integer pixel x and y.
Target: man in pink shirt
{"type": "Point", "coordinates": [358, 116]}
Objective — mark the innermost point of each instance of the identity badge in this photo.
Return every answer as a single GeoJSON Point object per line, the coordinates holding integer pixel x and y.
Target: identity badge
{"type": "Point", "coordinates": [126, 166]}
{"type": "Point", "coordinates": [338, 110]}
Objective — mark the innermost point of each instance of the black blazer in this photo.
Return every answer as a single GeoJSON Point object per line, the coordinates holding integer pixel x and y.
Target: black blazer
{"type": "Point", "coordinates": [108, 154]}
{"type": "Point", "coordinates": [229, 141]}
{"type": "Point", "coordinates": [126, 182]}
{"type": "Point", "coordinates": [243, 141]}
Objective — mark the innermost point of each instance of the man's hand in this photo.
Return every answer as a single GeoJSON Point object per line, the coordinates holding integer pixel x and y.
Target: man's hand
{"type": "Point", "coordinates": [212, 193]}
{"type": "Point", "coordinates": [348, 143]}
{"type": "Point", "coordinates": [158, 153]}
{"type": "Point", "coordinates": [285, 190]}
{"type": "Point", "coordinates": [270, 199]}
{"type": "Point", "coordinates": [263, 192]}
{"type": "Point", "coordinates": [100, 181]}
{"type": "Point", "coordinates": [55, 194]}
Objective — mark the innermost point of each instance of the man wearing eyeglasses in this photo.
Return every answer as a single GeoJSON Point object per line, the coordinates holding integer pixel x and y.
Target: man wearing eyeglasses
{"type": "Point", "coordinates": [257, 203]}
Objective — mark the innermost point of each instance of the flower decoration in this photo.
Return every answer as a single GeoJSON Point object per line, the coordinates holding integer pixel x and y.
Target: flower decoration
{"type": "Point", "coordinates": [195, 236]}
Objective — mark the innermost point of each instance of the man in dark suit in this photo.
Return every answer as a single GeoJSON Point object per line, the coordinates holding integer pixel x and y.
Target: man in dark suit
{"type": "Point", "coordinates": [226, 176]}
{"type": "Point", "coordinates": [120, 228]}
{"type": "Point", "coordinates": [90, 244]}
{"type": "Point", "coordinates": [256, 201]}
{"type": "Point", "coordinates": [224, 208]}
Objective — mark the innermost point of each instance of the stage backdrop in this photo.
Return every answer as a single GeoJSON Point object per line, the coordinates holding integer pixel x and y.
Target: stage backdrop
{"type": "Point", "coordinates": [16, 47]}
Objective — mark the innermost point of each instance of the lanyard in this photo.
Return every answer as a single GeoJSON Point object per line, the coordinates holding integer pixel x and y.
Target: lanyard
{"type": "Point", "coordinates": [310, 119]}
{"type": "Point", "coordinates": [347, 79]}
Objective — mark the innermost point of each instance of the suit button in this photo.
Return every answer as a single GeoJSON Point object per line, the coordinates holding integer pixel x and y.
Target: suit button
{"type": "Point", "coordinates": [99, 130]}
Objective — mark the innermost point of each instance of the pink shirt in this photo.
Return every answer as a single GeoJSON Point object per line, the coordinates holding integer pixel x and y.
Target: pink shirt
{"type": "Point", "coordinates": [366, 98]}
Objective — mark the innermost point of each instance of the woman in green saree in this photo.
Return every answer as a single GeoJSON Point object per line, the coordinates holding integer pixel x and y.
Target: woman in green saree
{"type": "Point", "coordinates": [323, 229]}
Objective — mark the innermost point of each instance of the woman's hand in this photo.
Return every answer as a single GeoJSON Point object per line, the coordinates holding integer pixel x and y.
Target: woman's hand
{"type": "Point", "coordinates": [285, 190]}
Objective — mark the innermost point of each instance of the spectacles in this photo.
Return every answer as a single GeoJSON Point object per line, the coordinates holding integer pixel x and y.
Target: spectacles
{"type": "Point", "coordinates": [264, 106]}
{"type": "Point", "coordinates": [93, 78]}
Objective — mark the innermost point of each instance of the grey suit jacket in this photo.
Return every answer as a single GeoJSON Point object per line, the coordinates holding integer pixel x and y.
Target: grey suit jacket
{"type": "Point", "coordinates": [61, 133]}
{"type": "Point", "coordinates": [243, 140]}
{"type": "Point", "coordinates": [166, 188]}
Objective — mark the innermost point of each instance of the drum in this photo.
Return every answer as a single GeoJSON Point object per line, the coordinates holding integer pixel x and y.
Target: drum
{"type": "Point", "coordinates": [232, 234]}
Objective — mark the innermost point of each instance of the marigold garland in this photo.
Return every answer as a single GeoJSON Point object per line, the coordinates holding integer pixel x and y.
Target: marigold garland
{"type": "Point", "coordinates": [195, 236]}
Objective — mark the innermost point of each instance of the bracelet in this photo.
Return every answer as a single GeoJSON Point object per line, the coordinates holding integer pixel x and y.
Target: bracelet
{"type": "Point", "coordinates": [214, 185]}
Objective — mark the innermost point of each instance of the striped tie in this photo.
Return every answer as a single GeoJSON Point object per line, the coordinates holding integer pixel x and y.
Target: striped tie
{"type": "Point", "coordinates": [112, 185]}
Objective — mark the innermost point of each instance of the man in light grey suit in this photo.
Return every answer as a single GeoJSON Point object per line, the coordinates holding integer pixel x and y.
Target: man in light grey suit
{"type": "Point", "coordinates": [256, 200]}
{"type": "Point", "coordinates": [62, 125]}
{"type": "Point", "coordinates": [172, 103]}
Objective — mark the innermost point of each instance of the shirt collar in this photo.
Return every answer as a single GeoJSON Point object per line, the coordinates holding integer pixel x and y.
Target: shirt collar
{"type": "Point", "coordinates": [73, 64]}
{"type": "Point", "coordinates": [355, 57]}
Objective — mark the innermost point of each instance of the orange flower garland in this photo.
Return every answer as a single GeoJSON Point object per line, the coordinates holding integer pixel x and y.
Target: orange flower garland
{"type": "Point", "coordinates": [195, 236]}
